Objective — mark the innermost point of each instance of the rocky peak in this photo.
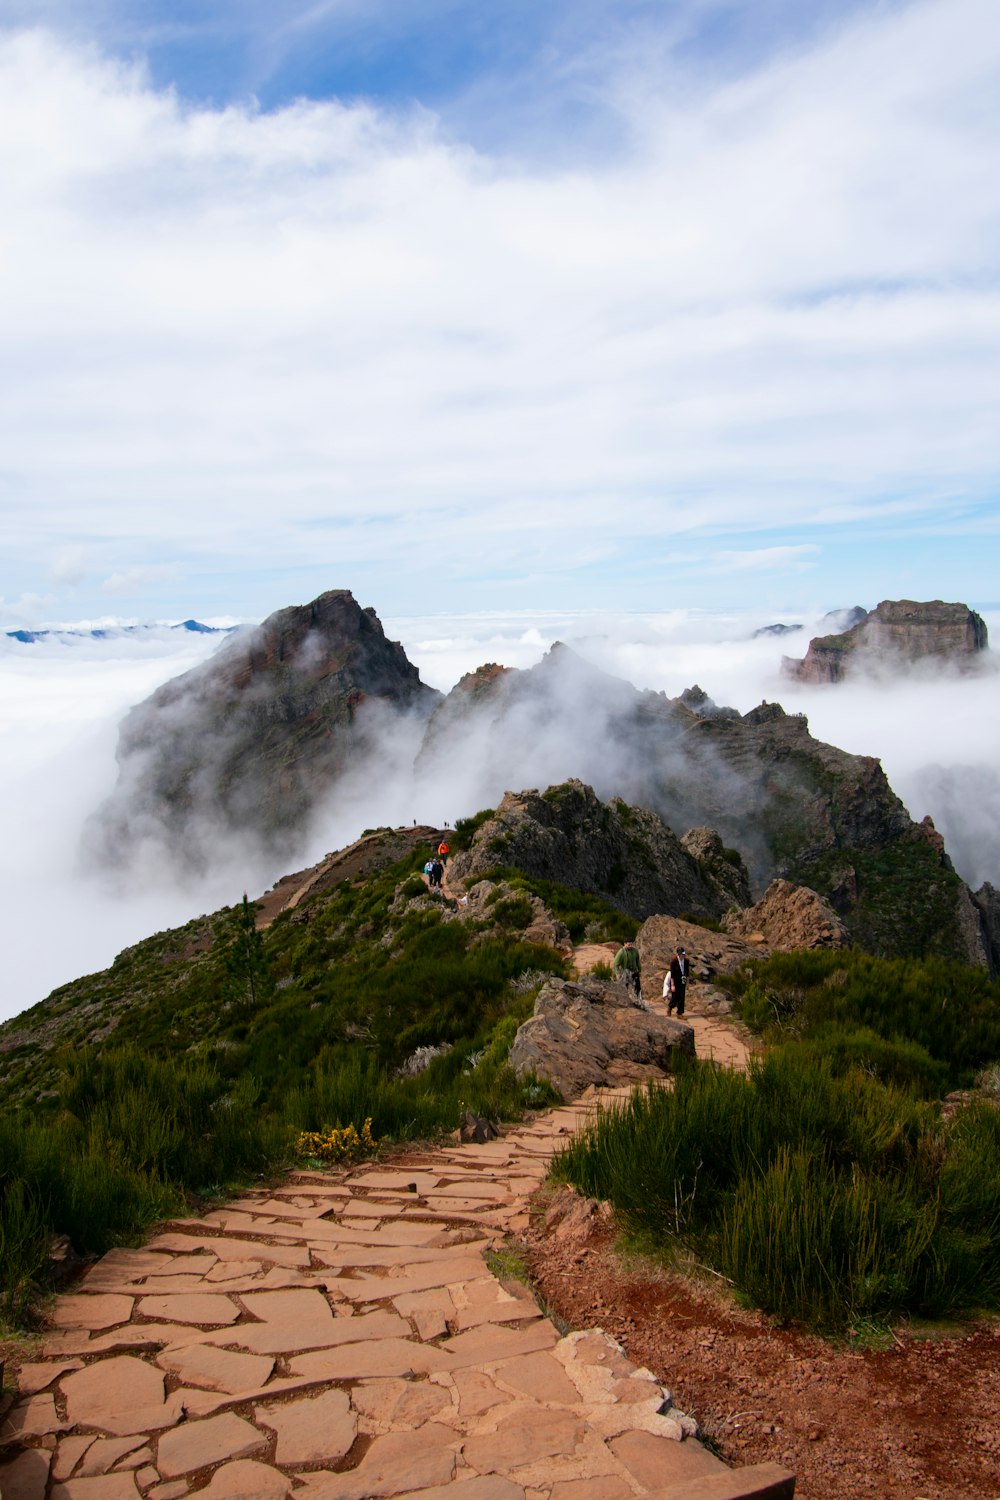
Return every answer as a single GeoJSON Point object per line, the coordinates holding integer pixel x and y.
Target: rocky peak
{"type": "Point", "coordinates": [625, 854]}
{"type": "Point", "coordinates": [896, 634]}
{"type": "Point", "coordinates": [248, 743]}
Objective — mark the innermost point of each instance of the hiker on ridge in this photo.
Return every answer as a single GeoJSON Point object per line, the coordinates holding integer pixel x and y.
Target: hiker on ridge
{"type": "Point", "coordinates": [676, 983]}
{"type": "Point", "coordinates": [627, 966]}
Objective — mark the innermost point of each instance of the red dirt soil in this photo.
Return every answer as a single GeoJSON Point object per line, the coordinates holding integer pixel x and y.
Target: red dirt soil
{"type": "Point", "coordinates": [918, 1421]}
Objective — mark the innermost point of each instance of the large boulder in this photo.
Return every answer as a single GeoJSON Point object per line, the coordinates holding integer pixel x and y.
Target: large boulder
{"type": "Point", "coordinates": [788, 917]}
{"type": "Point", "coordinates": [586, 1033]}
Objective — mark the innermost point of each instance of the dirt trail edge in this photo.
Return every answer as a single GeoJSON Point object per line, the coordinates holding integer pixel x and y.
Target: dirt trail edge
{"type": "Point", "coordinates": [341, 1337]}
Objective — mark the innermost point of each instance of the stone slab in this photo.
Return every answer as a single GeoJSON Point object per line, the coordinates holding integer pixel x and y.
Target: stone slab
{"type": "Point", "coordinates": [103, 1454]}
{"type": "Point", "coordinates": [36, 1416]}
{"type": "Point", "coordinates": [658, 1461]}
{"type": "Point", "coordinates": [489, 1345]}
{"type": "Point", "coordinates": [97, 1311]}
{"type": "Point", "coordinates": [69, 1453]}
{"type": "Point", "coordinates": [385, 1405]}
{"type": "Point", "coordinates": [757, 1482]}
{"type": "Point", "coordinates": [311, 1429]}
{"type": "Point", "coordinates": [110, 1387]}
{"type": "Point", "coordinates": [32, 1378]}
{"type": "Point", "coordinates": [380, 1357]}
{"type": "Point", "coordinates": [246, 1479]}
{"type": "Point", "coordinates": [215, 1369]}
{"type": "Point", "coordinates": [528, 1436]}
{"type": "Point", "coordinates": [197, 1444]}
{"type": "Point", "coordinates": [237, 1249]}
{"type": "Point", "coordinates": [394, 1463]}
{"type": "Point", "coordinates": [207, 1309]}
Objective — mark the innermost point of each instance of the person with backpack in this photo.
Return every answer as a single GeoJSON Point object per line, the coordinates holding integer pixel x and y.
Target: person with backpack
{"type": "Point", "coordinates": [627, 967]}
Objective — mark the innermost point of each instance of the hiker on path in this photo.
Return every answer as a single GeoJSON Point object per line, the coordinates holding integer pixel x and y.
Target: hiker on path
{"type": "Point", "coordinates": [627, 966]}
{"type": "Point", "coordinates": [437, 870]}
{"type": "Point", "coordinates": [443, 852]}
{"type": "Point", "coordinates": [676, 983]}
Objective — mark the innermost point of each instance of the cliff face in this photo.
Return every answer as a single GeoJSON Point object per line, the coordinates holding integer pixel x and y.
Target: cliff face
{"type": "Point", "coordinates": [248, 742]}
{"type": "Point", "coordinates": [896, 634]}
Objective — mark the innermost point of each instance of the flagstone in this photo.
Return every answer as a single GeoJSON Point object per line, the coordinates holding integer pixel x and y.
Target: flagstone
{"type": "Point", "coordinates": [539, 1376]}
{"type": "Point", "coordinates": [103, 1487]}
{"type": "Point", "coordinates": [477, 1392]}
{"type": "Point", "coordinates": [110, 1387]}
{"type": "Point", "coordinates": [25, 1477]}
{"type": "Point", "coordinates": [393, 1404]}
{"type": "Point", "coordinates": [402, 1178]}
{"type": "Point", "coordinates": [68, 1454]}
{"type": "Point", "coordinates": [524, 1437]}
{"type": "Point", "coordinates": [231, 1270]}
{"type": "Point", "coordinates": [311, 1429]}
{"type": "Point", "coordinates": [237, 1249]}
{"type": "Point", "coordinates": [216, 1369]}
{"type": "Point", "coordinates": [172, 1490]}
{"type": "Point", "coordinates": [91, 1310]}
{"type": "Point", "coordinates": [186, 1265]}
{"type": "Point", "coordinates": [489, 1345]}
{"type": "Point", "coordinates": [377, 1357]}
{"type": "Point", "coordinates": [658, 1461]}
{"type": "Point", "coordinates": [32, 1378]}
{"type": "Point", "coordinates": [246, 1479]}
{"type": "Point", "coordinates": [192, 1307]}
{"type": "Point", "coordinates": [34, 1417]}
{"type": "Point", "coordinates": [396, 1462]}
{"type": "Point", "coordinates": [136, 1459]}
{"type": "Point", "coordinates": [196, 1444]}
{"type": "Point", "coordinates": [146, 1476]}
{"type": "Point", "coordinates": [361, 1257]}
{"type": "Point", "coordinates": [102, 1455]}
{"type": "Point", "coordinates": [437, 1272]}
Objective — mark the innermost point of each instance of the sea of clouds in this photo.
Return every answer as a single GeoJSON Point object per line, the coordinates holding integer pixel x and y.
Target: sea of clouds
{"type": "Point", "coordinates": [936, 733]}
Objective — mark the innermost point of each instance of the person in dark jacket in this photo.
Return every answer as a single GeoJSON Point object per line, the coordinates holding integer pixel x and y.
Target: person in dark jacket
{"type": "Point", "coordinates": [677, 990]}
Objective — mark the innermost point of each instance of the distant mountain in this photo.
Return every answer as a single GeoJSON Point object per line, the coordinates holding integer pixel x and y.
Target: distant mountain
{"type": "Point", "coordinates": [896, 634]}
{"type": "Point", "coordinates": [73, 634]}
{"type": "Point", "coordinates": [248, 746]}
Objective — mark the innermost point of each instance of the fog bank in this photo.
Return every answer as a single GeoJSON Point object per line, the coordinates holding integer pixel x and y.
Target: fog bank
{"type": "Point", "coordinates": [937, 736]}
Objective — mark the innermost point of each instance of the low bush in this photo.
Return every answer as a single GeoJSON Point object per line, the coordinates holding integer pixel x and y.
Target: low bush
{"type": "Point", "coordinates": [821, 1192]}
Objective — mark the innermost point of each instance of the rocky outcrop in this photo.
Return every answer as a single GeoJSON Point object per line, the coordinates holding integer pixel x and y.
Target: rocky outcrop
{"type": "Point", "coordinates": [895, 635]}
{"type": "Point", "coordinates": [583, 1034]}
{"type": "Point", "coordinates": [623, 853]}
{"type": "Point", "coordinates": [722, 867]}
{"type": "Point", "coordinates": [788, 917]}
{"type": "Point", "coordinates": [249, 742]}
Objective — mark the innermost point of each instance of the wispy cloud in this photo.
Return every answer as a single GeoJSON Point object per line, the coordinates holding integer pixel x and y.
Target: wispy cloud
{"type": "Point", "coordinates": [334, 344]}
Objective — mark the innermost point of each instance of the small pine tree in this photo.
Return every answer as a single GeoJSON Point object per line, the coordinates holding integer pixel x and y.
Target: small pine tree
{"type": "Point", "coordinates": [248, 976]}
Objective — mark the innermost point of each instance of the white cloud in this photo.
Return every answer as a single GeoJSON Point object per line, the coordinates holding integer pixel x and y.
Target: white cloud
{"type": "Point", "coordinates": [766, 559]}
{"type": "Point", "coordinates": [331, 333]}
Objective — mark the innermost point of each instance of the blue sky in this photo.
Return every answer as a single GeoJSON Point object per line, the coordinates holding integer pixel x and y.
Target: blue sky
{"type": "Point", "coordinates": [514, 305]}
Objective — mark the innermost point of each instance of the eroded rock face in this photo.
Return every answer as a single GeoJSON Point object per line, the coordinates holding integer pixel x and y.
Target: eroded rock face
{"type": "Point", "coordinates": [788, 917]}
{"type": "Point", "coordinates": [248, 742]}
{"type": "Point", "coordinates": [625, 854]}
{"type": "Point", "coordinates": [896, 634]}
{"type": "Point", "coordinates": [582, 1034]}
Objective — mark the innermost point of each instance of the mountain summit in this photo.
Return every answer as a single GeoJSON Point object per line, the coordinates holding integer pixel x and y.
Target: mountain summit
{"type": "Point", "coordinates": [246, 744]}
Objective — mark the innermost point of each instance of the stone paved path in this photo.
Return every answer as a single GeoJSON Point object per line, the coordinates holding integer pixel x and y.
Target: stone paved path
{"type": "Point", "coordinates": [341, 1337]}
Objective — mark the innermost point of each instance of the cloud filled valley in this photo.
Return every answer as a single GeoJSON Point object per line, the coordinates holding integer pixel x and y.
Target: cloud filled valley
{"type": "Point", "coordinates": [936, 735]}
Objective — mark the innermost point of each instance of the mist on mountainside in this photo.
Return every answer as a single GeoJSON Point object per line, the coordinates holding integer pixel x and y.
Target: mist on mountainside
{"type": "Point", "coordinates": [937, 738]}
